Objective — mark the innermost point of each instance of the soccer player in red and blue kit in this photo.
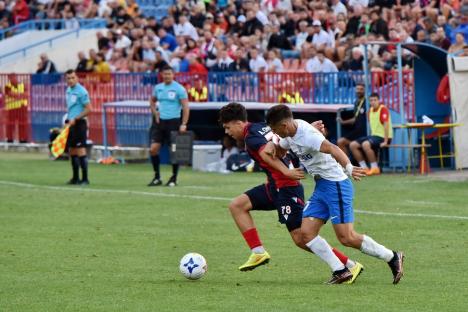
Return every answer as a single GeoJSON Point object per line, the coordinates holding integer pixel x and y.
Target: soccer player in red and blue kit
{"type": "Point", "coordinates": [282, 192]}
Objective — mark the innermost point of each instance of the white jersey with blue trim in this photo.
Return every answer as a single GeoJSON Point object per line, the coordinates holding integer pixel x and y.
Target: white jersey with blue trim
{"type": "Point", "coordinates": [306, 145]}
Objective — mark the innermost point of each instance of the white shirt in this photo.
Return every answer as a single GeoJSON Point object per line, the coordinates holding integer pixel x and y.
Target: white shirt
{"type": "Point", "coordinates": [327, 66]}
{"type": "Point", "coordinates": [257, 64]}
{"type": "Point", "coordinates": [123, 43]}
{"type": "Point", "coordinates": [186, 29]}
{"type": "Point", "coordinates": [275, 65]}
{"type": "Point", "coordinates": [306, 145]}
{"type": "Point", "coordinates": [323, 38]}
{"type": "Point", "coordinates": [300, 39]}
{"type": "Point", "coordinates": [363, 3]}
{"type": "Point", "coordinates": [339, 8]}
{"type": "Point", "coordinates": [313, 65]}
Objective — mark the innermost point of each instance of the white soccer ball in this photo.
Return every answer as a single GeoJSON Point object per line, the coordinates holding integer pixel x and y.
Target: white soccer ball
{"type": "Point", "coordinates": [193, 266]}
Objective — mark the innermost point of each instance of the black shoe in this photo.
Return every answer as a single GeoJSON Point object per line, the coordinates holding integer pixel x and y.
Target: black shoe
{"type": "Point", "coordinates": [340, 276]}
{"type": "Point", "coordinates": [155, 182]}
{"type": "Point", "coordinates": [73, 182]}
{"type": "Point", "coordinates": [396, 265]}
{"type": "Point", "coordinates": [9, 141]}
{"type": "Point", "coordinates": [84, 182]}
{"type": "Point", "coordinates": [172, 181]}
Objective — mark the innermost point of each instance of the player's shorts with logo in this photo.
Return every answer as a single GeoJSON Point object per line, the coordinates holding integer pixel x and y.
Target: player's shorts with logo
{"type": "Point", "coordinates": [288, 201]}
{"type": "Point", "coordinates": [331, 200]}
{"type": "Point", "coordinates": [78, 134]}
{"type": "Point", "coordinates": [161, 132]}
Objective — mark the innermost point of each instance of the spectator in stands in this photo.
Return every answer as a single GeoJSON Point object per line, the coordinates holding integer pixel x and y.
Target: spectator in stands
{"type": "Point", "coordinates": [70, 20]}
{"type": "Point", "coordinates": [325, 65]}
{"type": "Point", "coordinates": [102, 41]}
{"type": "Point", "coordinates": [241, 63]}
{"type": "Point", "coordinates": [356, 63]}
{"type": "Point", "coordinates": [380, 123]}
{"type": "Point", "coordinates": [356, 126]}
{"type": "Point", "coordinates": [123, 42]}
{"type": "Point", "coordinates": [45, 65]}
{"type": "Point", "coordinates": [278, 40]}
{"type": "Point", "coordinates": [6, 18]}
{"type": "Point", "coordinates": [252, 23]}
{"type": "Point", "coordinates": [166, 40]}
{"type": "Point", "coordinates": [118, 63]}
{"type": "Point", "coordinates": [20, 11]}
{"type": "Point", "coordinates": [379, 25]}
{"type": "Point", "coordinates": [458, 45]}
{"type": "Point", "coordinates": [185, 28]}
{"type": "Point", "coordinates": [274, 64]}
{"type": "Point", "coordinates": [321, 39]}
{"type": "Point", "coordinates": [91, 60]}
{"type": "Point", "coordinates": [257, 63]}
{"type": "Point", "coordinates": [101, 66]}
{"type": "Point", "coordinates": [302, 35]}
{"type": "Point", "coordinates": [82, 63]}
{"type": "Point", "coordinates": [160, 62]}
{"type": "Point", "coordinates": [196, 65]}
{"type": "Point", "coordinates": [441, 40]}
{"type": "Point", "coordinates": [224, 63]}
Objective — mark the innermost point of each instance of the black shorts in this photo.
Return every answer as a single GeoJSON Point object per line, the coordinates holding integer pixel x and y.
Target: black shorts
{"type": "Point", "coordinates": [78, 134]}
{"type": "Point", "coordinates": [161, 132]}
{"type": "Point", "coordinates": [373, 140]}
{"type": "Point", "coordinates": [287, 201]}
{"type": "Point", "coordinates": [354, 134]}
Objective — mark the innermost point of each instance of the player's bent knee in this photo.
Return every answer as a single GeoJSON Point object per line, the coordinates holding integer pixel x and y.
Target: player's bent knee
{"type": "Point", "coordinates": [346, 240]}
{"type": "Point", "coordinates": [354, 145]}
{"type": "Point", "coordinates": [239, 204]}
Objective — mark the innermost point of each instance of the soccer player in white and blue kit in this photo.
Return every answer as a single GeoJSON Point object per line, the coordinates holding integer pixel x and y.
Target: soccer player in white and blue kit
{"type": "Point", "coordinates": [333, 195]}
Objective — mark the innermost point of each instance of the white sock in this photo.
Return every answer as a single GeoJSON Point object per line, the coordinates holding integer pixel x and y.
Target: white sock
{"type": "Point", "coordinates": [372, 248]}
{"type": "Point", "coordinates": [320, 247]}
{"type": "Point", "coordinates": [350, 263]}
{"type": "Point", "coordinates": [363, 164]}
{"type": "Point", "coordinates": [258, 250]}
{"type": "Point", "coordinates": [374, 165]}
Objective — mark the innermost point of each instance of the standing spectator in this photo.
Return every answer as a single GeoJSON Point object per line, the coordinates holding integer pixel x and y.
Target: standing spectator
{"type": "Point", "coordinates": [257, 63]}
{"type": "Point", "coordinates": [78, 108]}
{"type": "Point", "coordinates": [356, 126]}
{"type": "Point", "coordinates": [45, 65]}
{"type": "Point", "coordinates": [173, 99]}
{"type": "Point", "coordinates": [16, 107]}
{"type": "Point", "coordinates": [82, 63]}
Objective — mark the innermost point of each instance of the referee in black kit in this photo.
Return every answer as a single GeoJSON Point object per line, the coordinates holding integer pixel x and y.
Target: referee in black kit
{"type": "Point", "coordinates": [172, 99]}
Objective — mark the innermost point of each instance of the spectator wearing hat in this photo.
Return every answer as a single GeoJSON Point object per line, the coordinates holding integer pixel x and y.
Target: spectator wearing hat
{"type": "Point", "coordinates": [321, 38]}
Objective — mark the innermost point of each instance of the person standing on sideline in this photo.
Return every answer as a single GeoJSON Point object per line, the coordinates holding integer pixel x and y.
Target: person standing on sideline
{"type": "Point", "coordinates": [78, 107]}
{"type": "Point", "coordinates": [172, 99]}
{"type": "Point", "coordinates": [16, 107]}
{"type": "Point", "coordinates": [356, 125]}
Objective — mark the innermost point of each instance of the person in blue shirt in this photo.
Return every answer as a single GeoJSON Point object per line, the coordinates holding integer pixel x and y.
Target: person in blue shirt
{"type": "Point", "coordinates": [167, 41]}
{"type": "Point", "coordinates": [173, 102]}
{"type": "Point", "coordinates": [78, 107]}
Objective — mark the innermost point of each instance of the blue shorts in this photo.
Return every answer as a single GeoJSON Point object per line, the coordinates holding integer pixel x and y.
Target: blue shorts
{"type": "Point", "coordinates": [331, 200]}
{"type": "Point", "coordinates": [287, 201]}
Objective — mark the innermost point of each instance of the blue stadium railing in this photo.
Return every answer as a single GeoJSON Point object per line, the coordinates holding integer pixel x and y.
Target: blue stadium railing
{"type": "Point", "coordinates": [49, 24]}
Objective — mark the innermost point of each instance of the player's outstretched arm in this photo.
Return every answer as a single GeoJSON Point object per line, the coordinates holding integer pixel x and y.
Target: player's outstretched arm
{"type": "Point", "coordinates": [355, 172]}
{"type": "Point", "coordinates": [277, 164]}
{"type": "Point", "coordinates": [274, 150]}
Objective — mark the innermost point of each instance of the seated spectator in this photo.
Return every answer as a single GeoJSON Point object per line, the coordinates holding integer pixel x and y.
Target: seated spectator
{"type": "Point", "coordinates": [102, 68]}
{"type": "Point", "coordinates": [160, 62]}
{"type": "Point", "coordinates": [458, 45]}
{"type": "Point", "coordinates": [257, 63]}
{"type": "Point", "coordinates": [82, 63]}
{"type": "Point", "coordinates": [241, 63]}
{"type": "Point", "coordinates": [118, 63]}
{"type": "Point", "coordinates": [185, 28]}
{"type": "Point", "coordinates": [196, 66]}
{"type": "Point", "coordinates": [356, 63]}
{"type": "Point", "coordinates": [5, 16]}
{"type": "Point", "coordinates": [45, 65]}
{"type": "Point", "coordinates": [321, 39]}
{"type": "Point", "coordinates": [167, 41]}
{"type": "Point", "coordinates": [278, 40]}
{"type": "Point", "coordinates": [223, 63]}
{"type": "Point", "coordinates": [274, 64]}
{"type": "Point", "coordinates": [380, 123]}
{"type": "Point", "coordinates": [122, 42]}
{"type": "Point", "coordinates": [356, 126]}
{"type": "Point", "coordinates": [324, 65]}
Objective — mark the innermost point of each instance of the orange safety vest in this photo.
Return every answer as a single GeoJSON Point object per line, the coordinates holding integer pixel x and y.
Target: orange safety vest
{"type": "Point", "coordinates": [296, 98]}
{"type": "Point", "coordinates": [12, 102]}
{"type": "Point", "coordinates": [198, 96]}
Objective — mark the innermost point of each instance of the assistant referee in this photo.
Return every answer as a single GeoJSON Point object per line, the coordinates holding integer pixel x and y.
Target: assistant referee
{"type": "Point", "coordinates": [78, 107]}
{"type": "Point", "coordinates": [172, 99]}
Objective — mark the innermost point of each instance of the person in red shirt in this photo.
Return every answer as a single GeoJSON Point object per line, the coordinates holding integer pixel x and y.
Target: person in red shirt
{"type": "Point", "coordinates": [20, 11]}
{"type": "Point", "coordinates": [196, 66]}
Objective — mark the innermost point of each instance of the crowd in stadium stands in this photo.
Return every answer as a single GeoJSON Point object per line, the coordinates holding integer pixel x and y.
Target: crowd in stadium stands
{"type": "Point", "coordinates": [254, 35]}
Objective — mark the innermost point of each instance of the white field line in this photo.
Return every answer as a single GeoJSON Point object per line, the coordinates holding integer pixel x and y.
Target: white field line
{"type": "Point", "coordinates": [224, 199]}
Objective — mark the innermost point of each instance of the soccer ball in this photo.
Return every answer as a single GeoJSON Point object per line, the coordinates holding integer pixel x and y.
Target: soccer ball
{"type": "Point", "coordinates": [193, 266]}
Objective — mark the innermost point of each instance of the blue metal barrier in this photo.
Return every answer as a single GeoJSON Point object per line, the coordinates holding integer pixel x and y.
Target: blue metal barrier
{"type": "Point", "coordinates": [50, 24]}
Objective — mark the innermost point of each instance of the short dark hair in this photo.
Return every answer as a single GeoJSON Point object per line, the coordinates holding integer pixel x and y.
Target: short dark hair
{"type": "Point", "coordinates": [278, 113]}
{"type": "Point", "coordinates": [167, 67]}
{"type": "Point", "coordinates": [232, 112]}
{"type": "Point", "coordinates": [70, 71]}
{"type": "Point", "coordinates": [361, 84]}
{"type": "Point", "coordinates": [375, 95]}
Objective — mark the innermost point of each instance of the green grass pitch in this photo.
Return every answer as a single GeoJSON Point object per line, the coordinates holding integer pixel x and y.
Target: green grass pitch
{"type": "Point", "coordinates": [116, 245]}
